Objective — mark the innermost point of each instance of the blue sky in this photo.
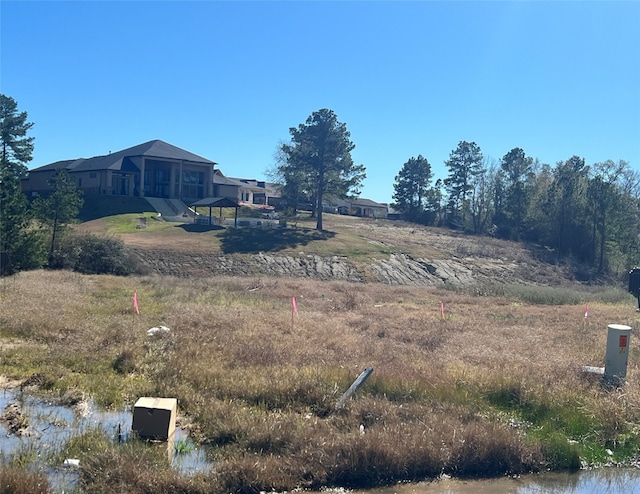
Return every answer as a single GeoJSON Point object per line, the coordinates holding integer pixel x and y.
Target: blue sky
{"type": "Point", "coordinates": [226, 80]}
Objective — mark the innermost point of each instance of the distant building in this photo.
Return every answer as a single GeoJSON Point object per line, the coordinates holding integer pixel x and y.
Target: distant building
{"type": "Point", "coordinates": [151, 169]}
{"type": "Point", "coordinates": [247, 192]}
{"type": "Point", "coordinates": [365, 208]}
{"type": "Point", "coordinates": [156, 169]}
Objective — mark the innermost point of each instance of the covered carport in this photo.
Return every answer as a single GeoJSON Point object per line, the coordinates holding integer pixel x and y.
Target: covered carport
{"type": "Point", "coordinates": [217, 202]}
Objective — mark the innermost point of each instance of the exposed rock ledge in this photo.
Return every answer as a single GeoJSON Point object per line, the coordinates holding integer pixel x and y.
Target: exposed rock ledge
{"type": "Point", "coordinates": [396, 269]}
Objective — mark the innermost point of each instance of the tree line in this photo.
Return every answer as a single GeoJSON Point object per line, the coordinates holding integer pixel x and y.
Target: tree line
{"type": "Point", "coordinates": [588, 214]}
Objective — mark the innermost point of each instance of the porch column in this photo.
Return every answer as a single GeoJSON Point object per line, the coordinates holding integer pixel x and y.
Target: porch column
{"type": "Point", "coordinates": [208, 182]}
{"type": "Point", "coordinates": [142, 176]}
{"type": "Point", "coordinates": [172, 181]}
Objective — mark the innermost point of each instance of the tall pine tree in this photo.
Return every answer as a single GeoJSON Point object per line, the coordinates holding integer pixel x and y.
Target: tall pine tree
{"type": "Point", "coordinates": [411, 189]}
{"type": "Point", "coordinates": [320, 150]}
{"type": "Point", "coordinates": [18, 245]}
{"type": "Point", "coordinates": [464, 164]}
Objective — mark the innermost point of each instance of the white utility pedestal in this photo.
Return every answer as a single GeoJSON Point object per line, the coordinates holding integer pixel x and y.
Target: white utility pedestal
{"type": "Point", "coordinates": [617, 356]}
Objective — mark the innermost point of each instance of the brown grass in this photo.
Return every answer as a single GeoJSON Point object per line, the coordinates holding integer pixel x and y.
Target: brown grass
{"type": "Point", "coordinates": [17, 480]}
{"type": "Point", "coordinates": [260, 386]}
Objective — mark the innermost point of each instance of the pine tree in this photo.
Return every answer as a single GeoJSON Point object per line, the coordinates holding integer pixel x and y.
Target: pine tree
{"type": "Point", "coordinates": [320, 151]}
{"type": "Point", "coordinates": [464, 164]}
{"type": "Point", "coordinates": [59, 208]}
{"type": "Point", "coordinates": [18, 247]}
{"type": "Point", "coordinates": [411, 188]}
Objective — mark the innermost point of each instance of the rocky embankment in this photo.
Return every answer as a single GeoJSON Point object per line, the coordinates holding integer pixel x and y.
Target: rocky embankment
{"type": "Point", "coordinates": [394, 269]}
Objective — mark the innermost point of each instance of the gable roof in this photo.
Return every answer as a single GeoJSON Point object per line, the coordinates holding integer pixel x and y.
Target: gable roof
{"type": "Point", "coordinates": [368, 203]}
{"type": "Point", "coordinates": [121, 160]}
{"type": "Point", "coordinates": [216, 202]}
{"type": "Point", "coordinates": [220, 179]}
{"type": "Point", "coordinates": [246, 183]}
{"type": "Point", "coordinates": [357, 202]}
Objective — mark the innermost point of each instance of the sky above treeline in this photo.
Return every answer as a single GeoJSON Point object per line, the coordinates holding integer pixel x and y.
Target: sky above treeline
{"type": "Point", "coordinates": [226, 80]}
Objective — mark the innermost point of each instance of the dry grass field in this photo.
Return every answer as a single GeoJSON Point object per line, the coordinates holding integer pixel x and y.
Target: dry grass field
{"type": "Point", "coordinates": [493, 387]}
{"type": "Point", "coordinates": [467, 381]}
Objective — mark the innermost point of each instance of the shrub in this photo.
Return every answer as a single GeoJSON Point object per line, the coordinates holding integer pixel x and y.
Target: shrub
{"type": "Point", "coordinates": [90, 254]}
{"type": "Point", "coordinates": [103, 255]}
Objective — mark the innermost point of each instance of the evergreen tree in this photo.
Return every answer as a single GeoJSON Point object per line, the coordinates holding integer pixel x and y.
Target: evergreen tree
{"type": "Point", "coordinates": [319, 155]}
{"type": "Point", "coordinates": [411, 189]}
{"type": "Point", "coordinates": [18, 246]}
{"type": "Point", "coordinates": [464, 164]}
{"type": "Point", "coordinates": [16, 146]}
{"type": "Point", "coordinates": [570, 230]}
{"type": "Point", "coordinates": [59, 208]}
{"type": "Point", "coordinates": [481, 198]}
{"type": "Point", "coordinates": [516, 170]}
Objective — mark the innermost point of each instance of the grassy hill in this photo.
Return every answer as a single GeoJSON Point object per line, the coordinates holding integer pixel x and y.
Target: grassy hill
{"type": "Point", "coordinates": [365, 244]}
{"type": "Point", "coordinates": [96, 207]}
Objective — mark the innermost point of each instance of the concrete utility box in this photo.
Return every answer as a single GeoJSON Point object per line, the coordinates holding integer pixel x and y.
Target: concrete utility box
{"type": "Point", "coordinates": [155, 418]}
{"type": "Point", "coordinates": [617, 355]}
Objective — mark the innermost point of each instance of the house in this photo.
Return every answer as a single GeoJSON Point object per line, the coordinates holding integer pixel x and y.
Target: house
{"type": "Point", "coordinates": [151, 169]}
{"type": "Point", "coordinates": [365, 208]}
{"type": "Point", "coordinates": [247, 192]}
{"type": "Point", "coordinates": [392, 214]}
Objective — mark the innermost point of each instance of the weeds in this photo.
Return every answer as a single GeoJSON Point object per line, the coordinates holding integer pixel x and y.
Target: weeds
{"type": "Point", "coordinates": [14, 480]}
{"type": "Point", "coordinates": [494, 388]}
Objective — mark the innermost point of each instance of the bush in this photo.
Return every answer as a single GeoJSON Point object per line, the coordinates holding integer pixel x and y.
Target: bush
{"type": "Point", "coordinates": [30, 253]}
{"type": "Point", "coordinates": [90, 254]}
{"type": "Point", "coordinates": [103, 255]}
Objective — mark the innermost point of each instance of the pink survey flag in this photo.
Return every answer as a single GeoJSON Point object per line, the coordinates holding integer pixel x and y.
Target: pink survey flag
{"type": "Point", "coordinates": [294, 305]}
{"type": "Point", "coordinates": [586, 311]}
{"type": "Point", "coordinates": [135, 302]}
{"type": "Point", "coordinates": [442, 309]}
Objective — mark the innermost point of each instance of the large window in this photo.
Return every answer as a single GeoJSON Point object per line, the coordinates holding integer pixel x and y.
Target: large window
{"type": "Point", "coordinates": [192, 184]}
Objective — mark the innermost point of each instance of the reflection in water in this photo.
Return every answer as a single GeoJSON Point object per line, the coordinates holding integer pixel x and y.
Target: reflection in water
{"type": "Point", "coordinates": [608, 480]}
{"type": "Point", "coordinates": [51, 426]}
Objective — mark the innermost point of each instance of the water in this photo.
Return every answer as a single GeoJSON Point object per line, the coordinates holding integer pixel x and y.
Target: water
{"type": "Point", "coordinates": [52, 425]}
{"type": "Point", "coordinates": [607, 480]}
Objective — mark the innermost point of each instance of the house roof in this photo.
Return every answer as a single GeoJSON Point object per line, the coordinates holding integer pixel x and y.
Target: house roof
{"type": "Point", "coordinates": [220, 179]}
{"type": "Point", "coordinates": [368, 203]}
{"type": "Point", "coordinates": [216, 202]}
{"type": "Point", "coordinates": [359, 202]}
{"type": "Point", "coordinates": [245, 183]}
{"type": "Point", "coordinates": [121, 160]}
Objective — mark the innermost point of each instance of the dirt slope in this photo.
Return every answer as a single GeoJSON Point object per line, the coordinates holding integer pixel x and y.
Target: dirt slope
{"type": "Point", "coordinates": [401, 254]}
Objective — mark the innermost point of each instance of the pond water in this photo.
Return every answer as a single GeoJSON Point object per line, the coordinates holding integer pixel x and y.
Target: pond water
{"type": "Point", "coordinates": [52, 425]}
{"type": "Point", "coordinates": [606, 480]}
